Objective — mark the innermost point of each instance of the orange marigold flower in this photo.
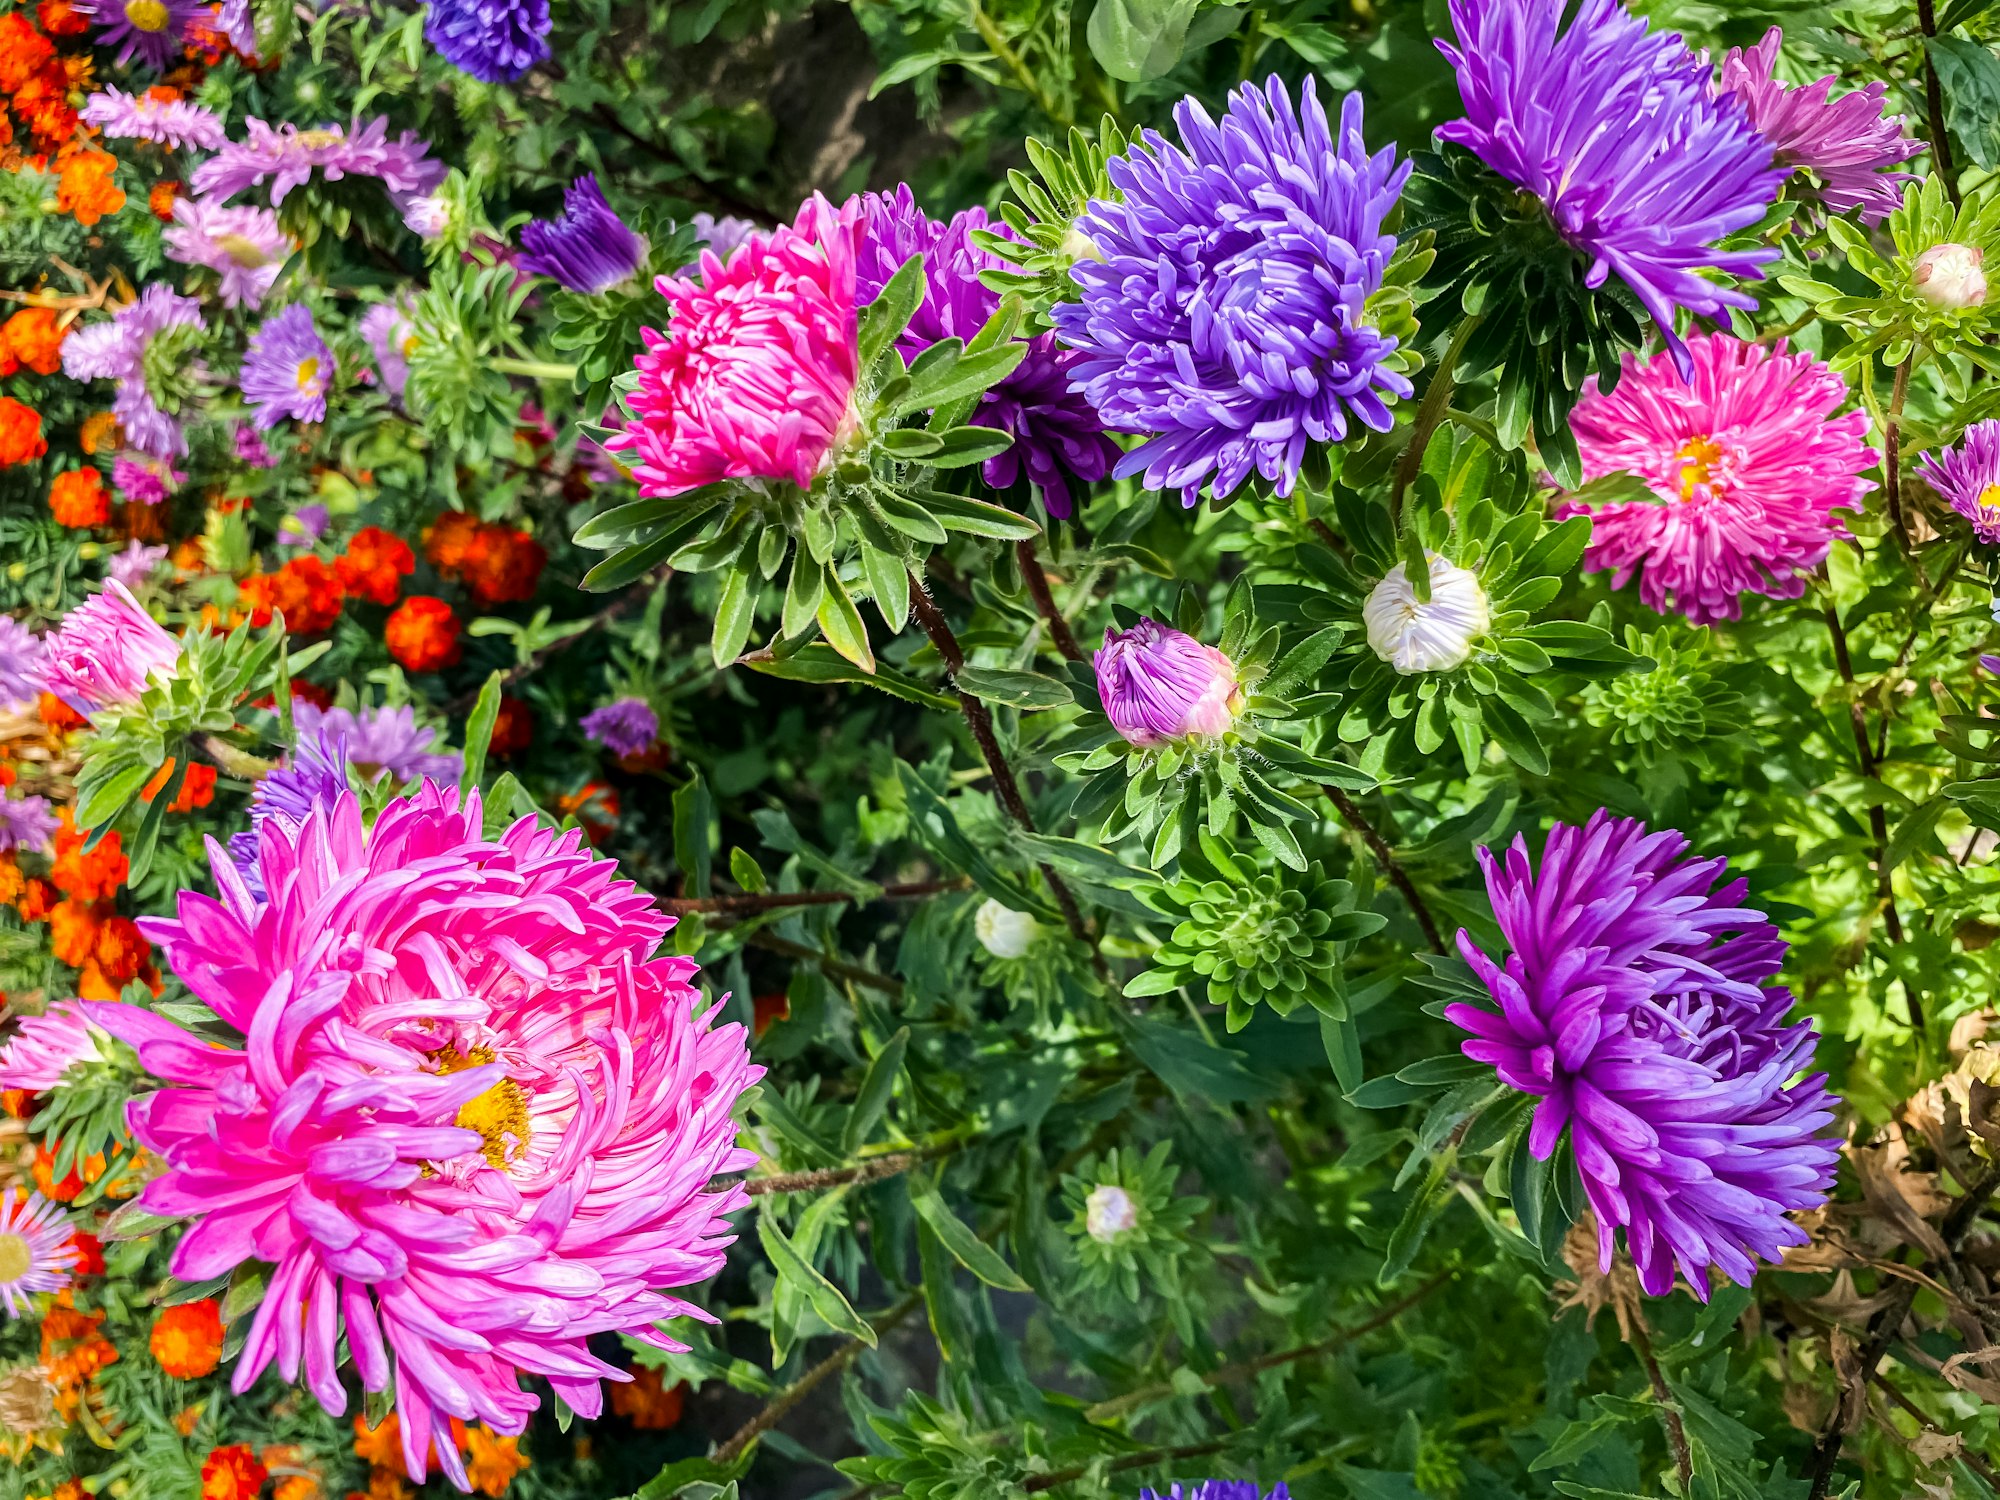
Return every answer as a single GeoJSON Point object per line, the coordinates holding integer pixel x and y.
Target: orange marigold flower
{"type": "Point", "coordinates": [42, 103]}
{"type": "Point", "coordinates": [160, 199]}
{"type": "Point", "coordinates": [383, 1446]}
{"type": "Point", "coordinates": [87, 875]}
{"type": "Point", "coordinates": [57, 714]}
{"type": "Point", "coordinates": [82, 1173]}
{"type": "Point", "coordinates": [297, 1480]}
{"type": "Point", "coordinates": [72, 1348]}
{"type": "Point", "coordinates": [309, 593]}
{"type": "Point", "coordinates": [383, 1484]}
{"type": "Point", "coordinates": [100, 433]}
{"type": "Point", "coordinates": [232, 1473]}
{"type": "Point", "coordinates": [60, 18]}
{"type": "Point", "coordinates": [492, 1461]}
{"type": "Point", "coordinates": [375, 564]}
{"type": "Point", "coordinates": [121, 951]}
{"type": "Point", "coordinates": [85, 188]}
{"type": "Point", "coordinates": [23, 50]}
{"type": "Point", "coordinates": [12, 882]}
{"type": "Point", "coordinates": [422, 634]}
{"type": "Point", "coordinates": [513, 728]}
{"type": "Point", "coordinates": [20, 433]}
{"type": "Point", "coordinates": [502, 565]}
{"type": "Point", "coordinates": [37, 901]}
{"type": "Point", "coordinates": [647, 1401]}
{"type": "Point", "coordinates": [73, 929]}
{"type": "Point", "coordinates": [256, 598]}
{"type": "Point", "coordinates": [77, 497]}
{"type": "Point", "coordinates": [447, 540]}
{"type": "Point", "coordinates": [197, 787]}
{"type": "Point", "coordinates": [33, 337]}
{"type": "Point", "coordinates": [89, 1254]}
{"type": "Point", "coordinates": [595, 805]}
{"type": "Point", "coordinates": [187, 1339]}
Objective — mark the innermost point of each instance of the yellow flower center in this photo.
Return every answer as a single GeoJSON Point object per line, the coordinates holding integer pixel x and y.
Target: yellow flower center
{"type": "Point", "coordinates": [244, 251]}
{"type": "Point", "coordinates": [1697, 455]}
{"type": "Point", "coordinates": [313, 138]}
{"type": "Point", "coordinates": [1989, 500]}
{"type": "Point", "coordinates": [500, 1114]}
{"type": "Point", "coordinates": [147, 15]}
{"type": "Point", "coordinates": [17, 1259]}
{"type": "Point", "coordinates": [409, 346]}
{"type": "Point", "coordinates": [308, 373]}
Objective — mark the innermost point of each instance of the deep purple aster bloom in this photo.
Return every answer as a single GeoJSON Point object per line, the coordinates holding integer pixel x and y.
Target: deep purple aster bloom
{"type": "Point", "coordinates": [1219, 1489]}
{"type": "Point", "coordinates": [315, 778]}
{"type": "Point", "coordinates": [1618, 132]}
{"type": "Point", "coordinates": [1158, 684]}
{"type": "Point", "coordinates": [589, 248]}
{"type": "Point", "coordinates": [287, 157]}
{"type": "Point", "coordinates": [495, 41]}
{"type": "Point", "coordinates": [117, 350]}
{"type": "Point", "coordinates": [154, 30]}
{"type": "Point", "coordinates": [287, 369]}
{"type": "Point", "coordinates": [1226, 319]}
{"type": "Point", "coordinates": [20, 664]}
{"type": "Point", "coordinates": [624, 727]}
{"type": "Point", "coordinates": [1057, 433]}
{"type": "Point", "coordinates": [1635, 1005]}
{"type": "Point", "coordinates": [1969, 477]}
{"type": "Point", "coordinates": [166, 122]}
{"type": "Point", "coordinates": [26, 823]}
{"type": "Point", "coordinates": [381, 742]}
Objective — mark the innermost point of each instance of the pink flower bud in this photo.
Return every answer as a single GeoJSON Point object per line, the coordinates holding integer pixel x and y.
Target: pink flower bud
{"type": "Point", "coordinates": [1950, 276]}
{"type": "Point", "coordinates": [1159, 684]}
{"type": "Point", "coordinates": [44, 1047]}
{"type": "Point", "coordinates": [104, 652]}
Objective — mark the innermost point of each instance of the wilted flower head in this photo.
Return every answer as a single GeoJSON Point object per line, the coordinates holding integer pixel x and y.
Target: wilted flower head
{"type": "Point", "coordinates": [104, 652]}
{"type": "Point", "coordinates": [1749, 462]}
{"type": "Point", "coordinates": [1004, 932]}
{"type": "Point", "coordinates": [1426, 635]}
{"type": "Point", "coordinates": [36, 1249]}
{"type": "Point", "coordinates": [1968, 476]}
{"type": "Point", "coordinates": [754, 376]}
{"type": "Point", "coordinates": [495, 41]}
{"type": "Point", "coordinates": [26, 822]}
{"type": "Point", "coordinates": [287, 156]}
{"type": "Point", "coordinates": [154, 30]}
{"type": "Point", "coordinates": [589, 248]}
{"type": "Point", "coordinates": [1226, 316]}
{"type": "Point", "coordinates": [474, 1127]}
{"type": "Point", "coordinates": [1635, 1004]}
{"type": "Point", "coordinates": [21, 652]}
{"type": "Point", "coordinates": [243, 245]}
{"type": "Point", "coordinates": [1619, 134]}
{"type": "Point", "coordinates": [625, 726]}
{"type": "Point", "coordinates": [1160, 684]}
{"type": "Point", "coordinates": [172, 121]}
{"type": "Point", "coordinates": [45, 1047]}
{"type": "Point", "coordinates": [1951, 276]}
{"type": "Point", "coordinates": [381, 741]}
{"type": "Point", "coordinates": [287, 369]}
{"type": "Point", "coordinates": [123, 350]}
{"type": "Point", "coordinates": [1845, 143]}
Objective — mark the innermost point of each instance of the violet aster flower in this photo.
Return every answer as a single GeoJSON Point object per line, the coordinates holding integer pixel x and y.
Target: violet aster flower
{"type": "Point", "coordinates": [1226, 319]}
{"type": "Point", "coordinates": [287, 156]}
{"type": "Point", "coordinates": [495, 41]}
{"type": "Point", "coordinates": [722, 236]}
{"type": "Point", "coordinates": [26, 823]}
{"type": "Point", "coordinates": [1160, 684]}
{"type": "Point", "coordinates": [104, 652]}
{"type": "Point", "coordinates": [140, 117]}
{"type": "Point", "coordinates": [392, 336]}
{"type": "Point", "coordinates": [287, 369]}
{"type": "Point", "coordinates": [143, 480]}
{"type": "Point", "coordinates": [304, 526]}
{"type": "Point", "coordinates": [1617, 131]}
{"type": "Point", "coordinates": [21, 653]}
{"type": "Point", "coordinates": [1635, 1004]}
{"type": "Point", "coordinates": [1057, 433]}
{"type": "Point", "coordinates": [152, 382]}
{"type": "Point", "coordinates": [588, 249]}
{"type": "Point", "coordinates": [382, 742]}
{"type": "Point", "coordinates": [1968, 476]}
{"type": "Point", "coordinates": [1219, 1489]}
{"type": "Point", "coordinates": [624, 727]}
{"type": "Point", "coordinates": [1845, 143]}
{"type": "Point", "coordinates": [135, 564]}
{"type": "Point", "coordinates": [311, 780]}
{"type": "Point", "coordinates": [237, 26]}
{"type": "Point", "coordinates": [251, 448]}
{"type": "Point", "coordinates": [154, 30]}
{"type": "Point", "coordinates": [243, 245]}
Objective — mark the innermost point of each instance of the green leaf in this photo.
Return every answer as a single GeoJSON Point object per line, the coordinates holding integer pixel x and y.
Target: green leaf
{"type": "Point", "coordinates": [877, 1085]}
{"type": "Point", "coordinates": [840, 622]}
{"type": "Point", "coordinates": [967, 1248]}
{"type": "Point", "coordinates": [978, 518]}
{"type": "Point", "coordinates": [817, 662]}
{"type": "Point", "coordinates": [884, 319]}
{"type": "Point", "coordinates": [1969, 75]}
{"type": "Point", "coordinates": [148, 839]}
{"type": "Point", "coordinates": [1029, 690]}
{"type": "Point", "coordinates": [822, 1295]}
{"type": "Point", "coordinates": [1134, 40]}
{"type": "Point", "coordinates": [1196, 1070]}
{"type": "Point", "coordinates": [104, 799]}
{"type": "Point", "coordinates": [1422, 1211]}
{"type": "Point", "coordinates": [479, 730]}
{"type": "Point", "coordinates": [693, 811]}
{"type": "Point", "coordinates": [735, 613]}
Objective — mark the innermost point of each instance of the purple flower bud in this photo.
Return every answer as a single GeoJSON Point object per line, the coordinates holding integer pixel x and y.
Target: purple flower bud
{"type": "Point", "coordinates": [1159, 684]}
{"type": "Point", "coordinates": [627, 726]}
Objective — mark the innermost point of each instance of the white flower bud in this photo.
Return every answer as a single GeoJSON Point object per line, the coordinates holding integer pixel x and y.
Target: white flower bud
{"type": "Point", "coordinates": [1950, 276]}
{"type": "Point", "coordinates": [1078, 246]}
{"type": "Point", "coordinates": [1004, 932]}
{"type": "Point", "coordinates": [1109, 1212]}
{"type": "Point", "coordinates": [1417, 636]}
{"type": "Point", "coordinates": [427, 218]}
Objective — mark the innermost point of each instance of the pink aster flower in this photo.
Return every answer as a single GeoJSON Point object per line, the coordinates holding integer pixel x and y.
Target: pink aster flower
{"type": "Point", "coordinates": [44, 1047]}
{"type": "Point", "coordinates": [141, 117]}
{"type": "Point", "coordinates": [287, 156]}
{"type": "Point", "coordinates": [1968, 477]}
{"type": "Point", "coordinates": [105, 650]}
{"type": "Point", "coordinates": [1845, 143]}
{"type": "Point", "coordinates": [243, 245]}
{"type": "Point", "coordinates": [474, 1123]}
{"type": "Point", "coordinates": [1748, 464]}
{"type": "Point", "coordinates": [754, 376]}
{"type": "Point", "coordinates": [143, 480]}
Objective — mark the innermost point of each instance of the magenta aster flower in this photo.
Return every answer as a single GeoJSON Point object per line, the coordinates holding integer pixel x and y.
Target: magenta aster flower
{"type": "Point", "coordinates": [1057, 433]}
{"type": "Point", "coordinates": [495, 41]}
{"type": "Point", "coordinates": [1158, 684]}
{"type": "Point", "coordinates": [151, 384]}
{"type": "Point", "coordinates": [135, 564]}
{"type": "Point", "coordinates": [26, 823]}
{"type": "Point", "coordinates": [474, 1126]}
{"type": "Point", "coordinates": [153, 30]}
{"type": "Point", "coordinates": [1844, 143]}
{"type": "Point", "coordinates": [754, 377]}
{"type": "Point", "coordinates": [143, 480]}
{"type": "Point", "coordinates": [624, 727]}
{"type": "Point", "coordinates": [589, 249]}
{"type": "Point", "coordinates": [105, 650]}
{"type": "Point", "coordinates": [178, 123]}
{"type": "Point", "coordinates": [287, 369]}
{"type": "Point", "coordinates": [393, 338]}
{"type": "Point", "coordinates": [1748, 459]}
{"type": "Point", "coordinates": [1618, 132]}
{"type": "Point", "coordinates": [381, 741]}
{"type": "Point", "coordinates": [21, 653]}
{"type": "Point", "coordinates": [1968, 477]}
{"type": "Point", "coordinates": [36, 1249]}
{"type": "Point", "coordinates": [45, 1047]}
{"type": "Point", "coordinates": [287, 156]}
{"type": "Point", "coordinates": [243, 245]}
{"type": "Point", "coordinates": [1636, 1005]}
{"type": "Point", "coordinates": [1227, 317]}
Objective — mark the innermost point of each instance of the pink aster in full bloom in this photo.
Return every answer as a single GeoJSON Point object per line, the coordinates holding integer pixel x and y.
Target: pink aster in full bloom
{"type": "Point", "coordinates": [1748, 464]}
{"type": "Point", "coordinates": [754, 376]}
{"type": "Point", "coordinates": [104, 652]}
{"type": "Point", "coordinates": [474, 1123]}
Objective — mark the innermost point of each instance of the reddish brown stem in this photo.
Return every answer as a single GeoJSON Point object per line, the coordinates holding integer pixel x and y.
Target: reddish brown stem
{"type": "Point", "coordinates": [1391, 866]}
{"type": "Point", "coordinates": [1878, 818]}
{"type": "Point", "coordinates": [1045, 601]}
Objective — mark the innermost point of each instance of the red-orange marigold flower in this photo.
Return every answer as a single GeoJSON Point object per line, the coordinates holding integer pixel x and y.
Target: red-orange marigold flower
{"type": "Point", "coordinates": [513, 727]}
{"type": "Point", "coordinates": [447, 539]}
{"type": "Point", "coordinates": [502, 565]}
{"type": "Point", "coordinates": [422, 634]}
{"type": "Point", "coordinates": [375, 564]}
{"type": "Point", "coordinates": [121, 951]}
{"type": "Point", "coordinates": [647, 1401]}
{"type": "Point", "coordinates": [87, 875]}
{"type": "Point", "coordinates": [33, 337]}
{"type": "Point", "coordinates": [492, 1461]}
{"type": "Point", "coordinates": [187, 1339]}
{"type": "Point", "coordinates": [77, 497]}
{"type": "Point", "coordinates": [20, 433]}
{"type": "Point", "coordinates": [309, 593]}
{"type": "Point", "coordinates": [85, 188]}
{"type": "Point", "coordinates": [73, 929]}
{"type": "Point", "coordinates": [232, 1473]}
{"type": "Point", "coordinates": [160, 199]}
{"type": "Point", "coordinates": [60, 18]}
{"type": "Point", "coordinates": [23, 50]}
{"type": "Point", "coordinates": [89, 1254]}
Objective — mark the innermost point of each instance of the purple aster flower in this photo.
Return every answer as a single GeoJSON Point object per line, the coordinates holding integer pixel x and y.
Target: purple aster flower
{"type": "Point", "coordinates": [1226, 319]}
{"type": "Point", "coordinates": [251, 448]}
{"type": "Point", "coordinates": [1057, 433]}
{"type": "Point", "coordinates": [143, 480]}
{"type": "Point", "coordinates": [237, 26]}
{"type": "Point", "coordinates": [243, 245]}
{"type": "Point", "coordinates": [313, 779]}
{"type": "Point", "coordinates": [588, 249]}
{"type": "Point", "coordinates": [287, 369]}
{"type": "Point", "coordinates": [625, 727]}
{"type": "Point", "coordinates": [392, 336]}
{"type": "Point", "coordinates": [382, 742]}
{"type": "Point", "coordinates": [722, 235]}
{"type": "Point", "coordinates": [1635, 1005]}
{"type": "Point", "coordinates": [1617, 131]}
{"type": "Point", "coordinates": [287, 156]}
{"type": "Point", "coordinates": [1968, 476]}
{"type": "Point", "coordinates": [304, 526]}
{"type": "Point", "coordinates": [1845, 143]}
{"type": "Point", "coordinates": [1219, 1489]}
{"type": "Point", "coordinates": [135, 564]}
{"type": "Point", "coordinates": [20, 664]}
{"type": "Point", "coordinates": [122, 351]}
{"type": "Point", "coordinates": [1158, 684]}
{"type": "Point", "coordinates": [495, 41]}
{"type": "Point", "coordinates": [1990, 662]}
{"type": "Point", "coordinates": [154, 30]}
{"type": "Point", "coordinates": [26, 823]}
{"type": "Point", "coordinates": [168, 122]}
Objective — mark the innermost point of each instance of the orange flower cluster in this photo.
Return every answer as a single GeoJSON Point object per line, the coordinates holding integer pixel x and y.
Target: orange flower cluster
{"type": "Point", "coordinates": [381, 1448]}
{"type": "Point", "coordinates": [647, 1402]}
{"type": "Point", "coordinates": [594, 805]}
{"type": "Point", "coordinates": [100, 433]}
{"type": "Point", "coordinates": [197, 787]}
{"type": "Point", "coordinates": [422, 634]}
{"type": "Point", "coordinates": [302, 1483]}
{"type": "Point", "coordinates": [513, 728]}
{"type": "Point", "coordinates": [20, 433]}
{"type": "Point", "coordinates": [86, 189]}
{"type": "Point", "coordinates": [375, 564]}
{"type": "Point", "coordinates": [73, 1351]}
{"type": "Point", "coordinates": [187, 1339]}
{"type": "Point", "coordinates": [492, 1461]}
{"type": "Point", "coordinates": [305, 589]}
{"type": "Point", "coordinates": [85, 930]}
{"type": "Point", "coordinates": [37, 81]}
{"type": "Point", "coordinates": [232, 1473]}
{"type": "Point", "coordinates": [77, 497]}
{"type": "Point", "coordinates": [32, 339]}
{"type": "Point", "coordinates": [499, 564]}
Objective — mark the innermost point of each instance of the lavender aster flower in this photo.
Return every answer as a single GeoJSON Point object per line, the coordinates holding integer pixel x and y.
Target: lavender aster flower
{"type": "Point", "coordinates": [135, 564]}
{"type": "Point", "coordinates": [147, 349]}
{"type": "Point", "coordinates": [1160, 684]}
{"type": "Point", "coordinates": [382, 742]}
{"type": "Point", "coordinates": [287, 156]}
{"type": "Point", "coordinates": [237, 26]}
{"type": "Point", "coordinates": [314, 779]}
{"type": "Point", "coordinates": [1635, 1005]}
{"type": "Point", "coordinates": [304, 526]}
{"type": "Point", "coordinates": [243, 245]}
{"type": "Point", "coordinates": [154, 30]}
{"type": "Point", "coordinates": [1617, 131]}
{"type": "Point", "coordinates": [588, 249]}
{"type": "Point", "coordinates": [20, 664]}
{"type": "Point", "coordinates": [1226, 318]}
{"type": "Point", "coordinates": [1219, 1489]}
{"type": "Point", "coordinates": [722, 235]}
{"type": "Point", "coordinates": [168, 122]}
{"type": "Point", "coordinates": [1057, 433]}
{"type": "Point", "coordinates": [26, 823]}
{"type": "Point", "coordinates": [625, 727]}
{"type": "Point", "coordinates": [392, 336]}
{"type": "Point", "coordinates": [1968, 476]}
{"type": "Point", "coordinates": [287, 369]}
{"type": "Point", "coordinates": [495, 41]}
